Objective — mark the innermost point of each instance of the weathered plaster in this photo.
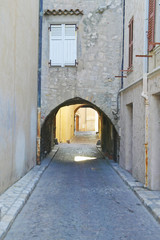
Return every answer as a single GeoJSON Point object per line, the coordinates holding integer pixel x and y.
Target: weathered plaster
{"type": "Point", "coordinates": [135, 9]}
{"type": "Point", "coordinates": [132, 93]}
{"type": "Point", "coordinates": [18, 92]}
{"type": "Point", "coordinates": [133, 156]}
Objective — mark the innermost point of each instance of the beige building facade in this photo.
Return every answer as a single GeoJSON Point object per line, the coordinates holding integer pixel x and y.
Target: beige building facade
{"type": "Point", "coordinates": [18, 91]}
{"type": "Point", "coordinates": [140, 96]}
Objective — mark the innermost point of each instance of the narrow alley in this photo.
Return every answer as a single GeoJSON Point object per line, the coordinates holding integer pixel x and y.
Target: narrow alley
{"type": "Point", "coordinates": [80, 120]}
{"type": "Point", "coordinates": [80, 197]}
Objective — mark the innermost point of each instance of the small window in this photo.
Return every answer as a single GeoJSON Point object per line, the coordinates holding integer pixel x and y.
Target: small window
{"type": "Point", "coordinates": [63, 45]}
{"type": "Point", "coordinates": [130, 62]}
{"type": "Point", "coordinates": [151, 24]}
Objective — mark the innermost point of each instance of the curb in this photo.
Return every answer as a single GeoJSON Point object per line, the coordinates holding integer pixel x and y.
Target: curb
{"type": "Point", "coordinates": [149, 198]}
{"type": "Point", "coordinates": [14, 198]}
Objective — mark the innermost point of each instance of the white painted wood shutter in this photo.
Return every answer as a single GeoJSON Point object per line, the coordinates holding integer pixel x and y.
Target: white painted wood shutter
{"type": "Point", "coordinates": [63, 45]}
{"type": "Point", "coordinates": [56, 45]}
{"type": "Point", "coordinates": [70, 45]}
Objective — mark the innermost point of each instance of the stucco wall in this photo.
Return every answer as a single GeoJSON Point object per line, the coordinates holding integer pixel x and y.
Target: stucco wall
{"type": "Point", "coordinates": [18, 91]}
{"type": "Point", "coordinates": [134, 137]}
{"type": "Point", "coordinates": [135, 9]}
{"type": "Point", "coordinates": [132, 122]}
{"type": "Point", "coordinates": [99, 50]}
{"type": "Point", "coordinates": [154, 108]}
{"type": "Point", "coordinates": [132, 152]}
{"type": "Point", "coordinates": [154, 129]}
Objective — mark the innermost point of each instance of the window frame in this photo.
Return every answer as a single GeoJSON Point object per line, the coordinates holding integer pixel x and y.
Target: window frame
{"type": "Point", "coordinates": [151, 24]}
{"type": "Point", "coordinates": [63, 64]}
{"type": "Point", "coordinates": [130, 55]}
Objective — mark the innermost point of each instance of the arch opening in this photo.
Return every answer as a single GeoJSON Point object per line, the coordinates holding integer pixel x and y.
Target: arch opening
{"type": "Point", "coordinates": [77, 123]}
{"type": "Point", "coordinates": [77, 117]}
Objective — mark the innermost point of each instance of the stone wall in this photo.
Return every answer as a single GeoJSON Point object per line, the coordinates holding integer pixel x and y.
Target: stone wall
{"type": "Point", "coordinates": [99, 56]}
{"type": "Point", "coordinates": [47, 136]}
{"type": "Point", "coordinates": [109, 140]}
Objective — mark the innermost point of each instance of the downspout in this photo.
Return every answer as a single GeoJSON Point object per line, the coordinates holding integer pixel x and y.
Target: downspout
{"type": "Point", "coordinates": [39, 84]}
{"type": "Point", "coordinates": [122, 64]}
{"type": "Point", "coordinates": [145, 88]}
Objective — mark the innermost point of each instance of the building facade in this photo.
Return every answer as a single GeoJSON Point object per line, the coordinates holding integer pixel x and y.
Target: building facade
{"type": "Point", "coordinates": [18, 91]}
{"type": "Point", "coordinates": [80, 58]}
{"type": "Point", "coordinates": [140, 96]}
{"type": "Point", "coordinates": [82, 53]}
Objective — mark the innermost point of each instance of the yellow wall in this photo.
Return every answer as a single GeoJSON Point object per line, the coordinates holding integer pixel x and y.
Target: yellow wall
{"type": "Point", "coordinates": [65, 122]}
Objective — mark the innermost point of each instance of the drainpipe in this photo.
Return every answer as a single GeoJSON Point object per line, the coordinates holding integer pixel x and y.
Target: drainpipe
{"type": "Point", "coordinates": [145, 89]}
{"type": "Point", "coordinates": [122, 64]}
{"type": "Point", "coordinates": [39, 84]}
{"type": "Point", "coordinates": [116, 113]}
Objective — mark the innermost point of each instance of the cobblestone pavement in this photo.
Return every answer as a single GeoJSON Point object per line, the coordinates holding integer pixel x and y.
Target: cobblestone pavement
{"type": "Point", "coordinates": [80, 197]}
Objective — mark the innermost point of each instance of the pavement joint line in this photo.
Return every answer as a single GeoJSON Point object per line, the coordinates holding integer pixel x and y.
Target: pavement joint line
{"type": "Point", "coordinates": [15, 197]}
{"type": "Point", "coordinates": [140, 191]}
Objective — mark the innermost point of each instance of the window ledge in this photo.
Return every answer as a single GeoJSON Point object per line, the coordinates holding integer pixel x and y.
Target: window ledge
{"type": "Point", "coordinates": [153, 72]}
{"type": "Point", "coordinates": [131, 85]}
{"type": "Point", "coordinates": [58, 66]}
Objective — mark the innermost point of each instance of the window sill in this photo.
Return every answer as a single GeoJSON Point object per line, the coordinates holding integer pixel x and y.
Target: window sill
{"type": "Point", "coordinates": [57, 66]}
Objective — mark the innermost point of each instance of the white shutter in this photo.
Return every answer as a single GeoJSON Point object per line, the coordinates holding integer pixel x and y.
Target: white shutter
{"type": "Point", "coordinates": [56, 45]}
{"type": "Point", "coordinates": [70, 45]}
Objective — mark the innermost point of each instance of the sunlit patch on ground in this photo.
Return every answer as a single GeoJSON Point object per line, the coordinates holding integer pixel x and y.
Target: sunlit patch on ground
{"type": "Point", "coordinates": [83, 158]}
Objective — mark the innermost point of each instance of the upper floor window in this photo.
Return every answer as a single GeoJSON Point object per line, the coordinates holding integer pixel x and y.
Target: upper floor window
{"type": "Point", "coordinates": [63, 45]}
{"type": "Point", "coordinates": [130, 62]}
{"type": "Point", "coordinates": [151, 24]}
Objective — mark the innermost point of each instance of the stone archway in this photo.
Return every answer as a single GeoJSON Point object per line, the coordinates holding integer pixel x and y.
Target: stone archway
{"type": "Point", "coordinates": [77, 100]}
{"type": "Point", "coordinates": [109, 129]}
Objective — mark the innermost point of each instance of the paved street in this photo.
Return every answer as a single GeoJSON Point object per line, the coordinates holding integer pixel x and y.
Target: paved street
{"type": "Point", "coordinates": [85, 137]}
{"type": "Point", "coordinates": [80, 197]}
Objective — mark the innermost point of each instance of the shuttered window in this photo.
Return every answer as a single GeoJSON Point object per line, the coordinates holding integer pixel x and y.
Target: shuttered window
{"type": "Point", "coordinates": [63, 45]}
{"type": "Point", "coordinates": [151, 24]}
{"type": "Point", "coordinates": [130, 62]}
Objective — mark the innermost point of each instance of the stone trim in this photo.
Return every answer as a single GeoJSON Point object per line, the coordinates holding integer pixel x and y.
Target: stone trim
{"type": "Point", "coordinates": [131, 85]}
{"type": "Point", "coordinates": [149, 75]}
{"type": "Point", "coordinates": [63, 12]}
{"type": "Point", "coordinates": [154, 72]}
